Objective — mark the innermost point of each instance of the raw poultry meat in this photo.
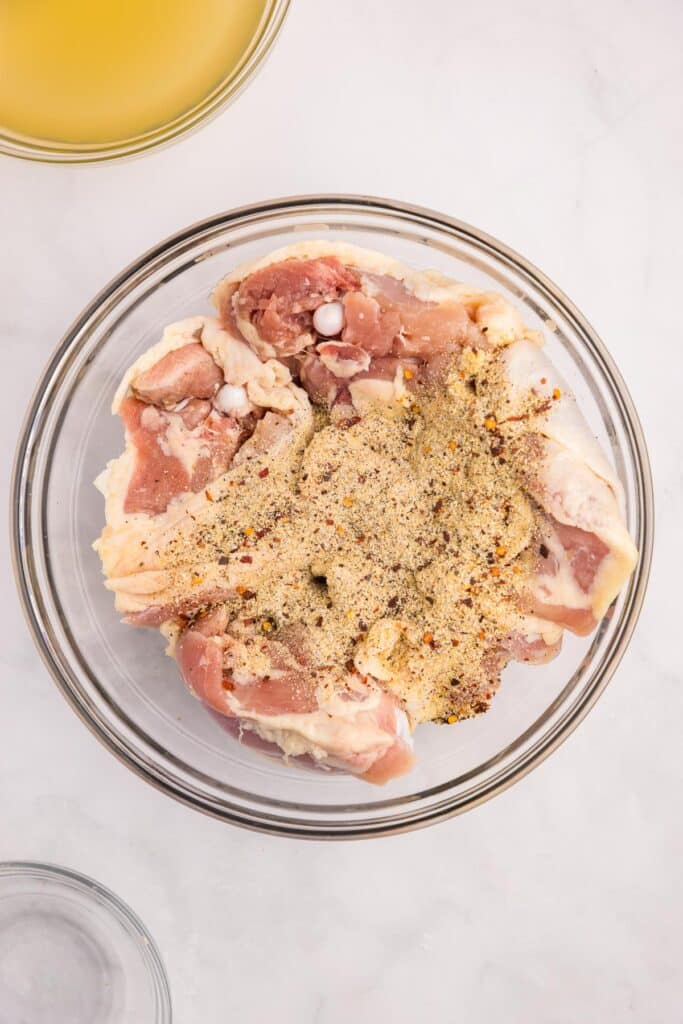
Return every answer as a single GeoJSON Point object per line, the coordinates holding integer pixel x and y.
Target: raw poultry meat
{"type": "Point", "coordinates": [228, 524]}
{"type": "Point", "coordinates": [349, 723]}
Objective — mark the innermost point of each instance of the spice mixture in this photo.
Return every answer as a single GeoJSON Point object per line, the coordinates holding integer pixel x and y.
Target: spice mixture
{"type": "Point", "coordinates": [399, 540]}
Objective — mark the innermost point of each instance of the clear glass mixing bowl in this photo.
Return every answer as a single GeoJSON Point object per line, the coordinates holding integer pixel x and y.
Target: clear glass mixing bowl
{"type": "Point", "coordinates": [71, 952]}
{"type": "Point", "coordinates": [118, 679]}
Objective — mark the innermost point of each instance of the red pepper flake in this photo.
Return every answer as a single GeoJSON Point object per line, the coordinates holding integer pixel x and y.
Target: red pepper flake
{"type": "Point", "coordinates": [248, 595]}
{"type": "Point", "coordinates": [329, 522]}
{"type": "Point", "coordinates": [264, 472]}
{"type": "Point", "coordinates": [227, 683]}
{"type": "Point", "coordinates": [427, 638]}
{"type": "Point", "coordinates": [246, 558]}
{"type": "Point", "coordinates": [437, 507]}
{"type": "Point", "coordinates": [209, 495]}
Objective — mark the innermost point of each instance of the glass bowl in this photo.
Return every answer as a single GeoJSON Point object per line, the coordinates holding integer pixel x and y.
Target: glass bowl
{"type": "Point", "coordinates": [71, 951]}
{"type": "Point", "coordinates": [118, 679]}
{"type": "Point", "coordinates": [53, 151]}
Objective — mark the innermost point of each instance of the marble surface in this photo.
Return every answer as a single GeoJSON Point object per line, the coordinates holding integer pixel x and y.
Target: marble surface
{"type": "Point", "coordinates": [557, 128]}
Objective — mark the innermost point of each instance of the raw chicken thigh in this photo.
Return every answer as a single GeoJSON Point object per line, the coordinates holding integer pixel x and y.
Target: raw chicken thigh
{"type": "Point", "coordinates": [296, 505]}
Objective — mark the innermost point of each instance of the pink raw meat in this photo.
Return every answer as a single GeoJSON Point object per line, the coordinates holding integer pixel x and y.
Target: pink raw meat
{"type": "Point", "coordinates": [367, 326]}
{"type": "Point", "coordinates": [281, 298]}
{"type": "Point", "coordinates": [187, 372]}
{"type": "Point", "coordinates": [158, 474]}
{"type": "Point", "coordinates": [535, 652]}
{"type": "Point", "coordinates": [426, 328]}
{"type": "Point", "coordinates": [584, 553]}
{"type": "Point", "coordinates": [207, 665]}
{"type": "Point", "coordinates": [390, 323]}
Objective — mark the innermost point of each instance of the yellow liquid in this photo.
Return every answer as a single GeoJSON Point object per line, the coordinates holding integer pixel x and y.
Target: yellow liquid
{"type": "Point", "coordinates": [102, 71]}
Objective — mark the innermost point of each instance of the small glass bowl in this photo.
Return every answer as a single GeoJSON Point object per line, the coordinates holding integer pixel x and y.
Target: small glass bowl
{"type": "Point", "coordinates": [118, 679]}
{"type": "Point", "coordinates": [52, 151]}
{"type": "Point", "coordinates": [71, 951]}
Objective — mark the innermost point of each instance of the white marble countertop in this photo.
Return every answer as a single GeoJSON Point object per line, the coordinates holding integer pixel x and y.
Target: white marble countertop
{"type": "Point", "coordinates": [557, 128]}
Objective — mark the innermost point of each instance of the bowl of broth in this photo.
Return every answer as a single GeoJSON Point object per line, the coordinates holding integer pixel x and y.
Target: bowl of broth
{"type": "Point", "coordinates": [86, 82]}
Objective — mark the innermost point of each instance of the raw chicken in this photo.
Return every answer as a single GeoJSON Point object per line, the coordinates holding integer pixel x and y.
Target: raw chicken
{"type": "Point", "coordinates": [152, 561]}
{"type": "Point", "coordinates": [348, 722]}
{"type": "Point", "coordinates": [187, 372]}
{"type": "Point", "coordinates": [275, 304]}
{"type": "Point", "coordinates": [174, 453]}
{"type": "Point", "coordinates": [368, 326]}
{"type": "Point", "coordinates": [585, 552]}
{"type": "Point", "coordinates": [219, 419]}
{"type": "Point", "coordinates": [389, 311]}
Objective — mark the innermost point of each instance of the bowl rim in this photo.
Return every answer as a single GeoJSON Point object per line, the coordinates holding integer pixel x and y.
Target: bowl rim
{"type": "Point", "coordinates": [95, 892]}
{"type": "Point", "coordinates": [30, 597]}
{"type": "Point", "coordinates": [48, 151]}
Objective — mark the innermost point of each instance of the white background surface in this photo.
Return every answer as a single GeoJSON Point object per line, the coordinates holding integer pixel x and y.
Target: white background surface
{"type": "Point", "coordinates": [556, 127]}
